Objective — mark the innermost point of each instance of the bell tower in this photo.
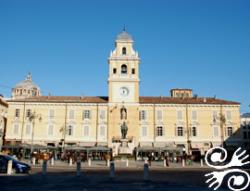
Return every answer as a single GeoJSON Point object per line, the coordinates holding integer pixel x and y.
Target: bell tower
{"type": "Point", "coordinates": [123, 78]}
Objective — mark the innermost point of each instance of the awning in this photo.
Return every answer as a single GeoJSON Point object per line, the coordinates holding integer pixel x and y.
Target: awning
{"type": "Point", "coordinates": [159, 149]}
{"type": "Point", "coordinates": [88, 149]}
{"type": "Point", "coordinates": [24, 146]}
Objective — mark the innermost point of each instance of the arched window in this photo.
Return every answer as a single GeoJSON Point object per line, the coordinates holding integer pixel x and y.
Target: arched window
{"type": "Point", "coordinates": [124, 51]}
{"type": "Point", "coordinates": [124, 69]}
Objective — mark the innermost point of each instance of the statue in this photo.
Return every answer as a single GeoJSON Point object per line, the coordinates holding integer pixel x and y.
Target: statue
{"type": "Point", "coordinates": [123, 113]}
{"type": "Point", "coordinates": [124, 130]}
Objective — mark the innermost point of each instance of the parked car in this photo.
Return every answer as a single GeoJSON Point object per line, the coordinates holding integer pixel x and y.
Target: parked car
{"type": "Point", "coordinates": [17, 166]}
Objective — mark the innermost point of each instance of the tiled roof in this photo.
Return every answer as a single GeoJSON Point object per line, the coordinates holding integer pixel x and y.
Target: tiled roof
{"type": "Point", "coordinates": [4, 103]}
{"type": "Point", "coordinates": [143, 100]}
{"type": "Point", "coordinates": [193, 100]}
{"type": "Point", "coordinates": [64, 99]}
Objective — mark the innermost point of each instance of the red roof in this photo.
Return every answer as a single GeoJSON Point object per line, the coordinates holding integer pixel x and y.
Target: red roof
{"type": "Point", "coordinates": [143, 100]}
{"type": "Point", "coordinates": [186, 100]}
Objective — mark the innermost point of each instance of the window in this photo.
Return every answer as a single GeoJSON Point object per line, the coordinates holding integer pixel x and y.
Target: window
{"type": "Point", "coordinates": [229, 115]}
{"type": "Point", "coordinates": [124, 69]}
{"type": "Point", "coordinates": [216, 131]}
{"type": "Point", "coordinates": [229, 131]}
{"type": "Point", "coordinates": [159, 115]}
{"type": "Point", "coordinates": [71, 114]}
{"type": "Point", "coordinates": [51, 114]}
{"type": "Point", "coordinates": [28, 129]}
{"type": "Point", "coordinates": [102, 114]}
{"type": "Point", "coordinates": [179, 115]}
{"type": "Point", "coordinates": [86, 131]}
{"type": "Point", "coordinates": [124, 51]}
{"type": "Point", "coordinates": [17, 113]}
{"type": "Point", "coordinates": [114, 70]}
{"type": "Point", "coordinates": [194, 131]}
{"type": "Point", "coordinates": [102, 131]}
{"type": "Point", "coordinates": [144, 132]}
{"type": "Point", "coordinates": [50, 130]}
{"type": "Point", "coordinates": [16, 129]}
{"type": "Point", "coordinates": [159, 131]}
{"type": "Point", "coordinates": [28, 113]}
{"type": "Point", "coordinates": [180, 131]}
{"type": "Point", "coordinates": [194, 115]}
{"type": "Point", "coordinates": [133, 70]}
{"type": "Point", "coordinates": [86, 114]}
{"type": "Point", "coordinates": [70, 130]}
{"type": "Point", "coordinates": [142, 115]}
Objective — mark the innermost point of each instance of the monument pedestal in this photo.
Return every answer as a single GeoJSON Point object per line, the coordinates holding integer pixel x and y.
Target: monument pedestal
{"type": "Point", "coordinates": [124, 149]}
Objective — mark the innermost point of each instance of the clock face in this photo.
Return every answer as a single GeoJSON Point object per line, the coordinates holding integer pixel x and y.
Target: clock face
{"type": "Point", "coordinates": [124, 91]}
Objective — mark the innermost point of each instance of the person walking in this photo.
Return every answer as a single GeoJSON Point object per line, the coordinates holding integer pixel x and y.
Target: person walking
{"type": "Point", "coordinates": [166, 160]}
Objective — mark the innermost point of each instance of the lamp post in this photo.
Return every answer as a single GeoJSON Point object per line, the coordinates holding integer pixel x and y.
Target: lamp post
{"type": "Point", "coordinates": [65, 130]}
{"type": "Point", "coordinates": [222, 123]}
{"type": "Point", "coordinates": [33, 116]}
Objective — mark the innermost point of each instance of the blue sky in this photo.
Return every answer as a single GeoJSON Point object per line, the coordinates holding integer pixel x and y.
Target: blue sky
{"type": "Point", "coordinates": [198, 44]}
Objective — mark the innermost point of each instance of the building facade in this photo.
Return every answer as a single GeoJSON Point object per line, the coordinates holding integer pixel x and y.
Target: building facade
{"type": "Point", "coordinates": [178, 121]}
{"type": "Point", "coordinates": [3, 120]}
{"type": "Point", "coordinates": [245, 129]}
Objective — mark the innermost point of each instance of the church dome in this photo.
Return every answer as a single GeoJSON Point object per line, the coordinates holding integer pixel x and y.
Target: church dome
{"type": "Point", "coordinates": [124, 36]}
{"type": "Point", "coordinates": [26, 88]}
{"type": "Point", "coordinates": [27, 83]}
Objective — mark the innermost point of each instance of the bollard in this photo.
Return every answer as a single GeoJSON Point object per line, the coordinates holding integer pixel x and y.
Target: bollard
{"type": "Point", "coordinates": [9, 167]}
{"type": "Point", "coordinates": [52, 161]}
{"type": "Point", "coordinates": [78, 168]}
{"type": "Point", "coordinates": [112, 170]}
{"type": "Point", "coordinates": [108, 163]}
{"type": "Point", "coordinates": [89, 161]}
{"type": "Point", "coordinates": [201, 162]}
{"type": "Point", "coordinates": [146, 172]}
{"type": "Point", "coordinates": [164, 162]}
{"type": "Point", "coordinates": [70, 161]}
{"type": "Point", "coordinates": [127, 163]}
{"type": "Point", "coordinates": [183, 163]}
{"type": "Point", "coordinates": [33, 160]}
{"type": "Point", "coordinates": [44, 167]}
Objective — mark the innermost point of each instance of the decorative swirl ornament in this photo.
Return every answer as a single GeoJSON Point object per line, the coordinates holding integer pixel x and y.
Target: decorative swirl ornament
{"type": "Point", "coordinates": [216, 157]}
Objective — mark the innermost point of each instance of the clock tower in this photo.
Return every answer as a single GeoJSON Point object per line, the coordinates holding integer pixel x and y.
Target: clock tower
{"type": "Point", "coordinates": [123, 78]}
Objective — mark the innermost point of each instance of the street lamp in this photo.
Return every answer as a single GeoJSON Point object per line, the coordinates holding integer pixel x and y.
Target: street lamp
{"type": "Point", "coordinates": [65, 130]}
{"type": "Point", "coordinates": [222, 124]}
{"type": "Point", "coordinates": [33, 116]}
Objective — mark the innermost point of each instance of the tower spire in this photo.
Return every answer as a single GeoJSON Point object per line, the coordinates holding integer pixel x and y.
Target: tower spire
{"type": "Point", "coordinates": [124, 28]}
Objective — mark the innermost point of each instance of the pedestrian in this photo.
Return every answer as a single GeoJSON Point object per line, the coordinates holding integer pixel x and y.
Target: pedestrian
{"type": "Point", "coordinates": [149, 159]}
{"type": "Point", "coordinates": [166, 160]}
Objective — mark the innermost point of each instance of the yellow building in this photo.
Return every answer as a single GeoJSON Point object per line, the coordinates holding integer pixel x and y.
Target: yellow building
{"type": "Point", "coordinates": [124, 121]}
{"type": "Point", "coordinates": [3, 120]}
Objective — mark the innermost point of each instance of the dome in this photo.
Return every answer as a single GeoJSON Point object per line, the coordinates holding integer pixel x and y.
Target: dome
{"type": "Point", "coordinates": [124, 36]}
{"type": "Point", "coordinates": [27, 83]}
{"type": "Point", "coordinates": [25, 88]}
